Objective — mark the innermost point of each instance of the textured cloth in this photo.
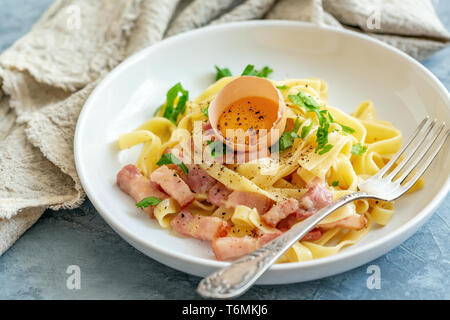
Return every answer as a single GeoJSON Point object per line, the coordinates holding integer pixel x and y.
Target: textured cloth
{"type": "Point", "coordinates": [48, 74]}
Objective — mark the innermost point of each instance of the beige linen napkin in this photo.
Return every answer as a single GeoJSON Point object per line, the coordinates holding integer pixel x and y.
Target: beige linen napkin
{"type": "Point", "coordinates": [47, 75]}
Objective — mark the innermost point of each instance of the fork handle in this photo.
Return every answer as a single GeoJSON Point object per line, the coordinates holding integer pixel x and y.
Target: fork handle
{"type": "Point", "coordinates": [238, 277]}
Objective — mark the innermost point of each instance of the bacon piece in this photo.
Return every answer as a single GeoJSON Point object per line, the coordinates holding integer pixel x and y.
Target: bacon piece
{"type": "Point", "coordinates": [218, 194]}
{"type": "Point", "coordinates": [293, 218]}
{"type": "Point", "coordinates": [178, 171]}
{"type": "Point", "coordinates": [226, 248]}
{"type": "Point", "coordinates": [199, 227]}
{"type": "Point", "coordinates": [131, 181]}
{"type": "Point", "coordinates": [234, 247]}
{"type": "Point", "coordinates": [206, 126]}
{"type": "Point", "coordinates": [355, 222]}
{"type": "Point", "coordinates": [314, 234]}
{"type": "Point", "coordinates": [171, 183]}
{"type": "Point", "coordinates": [248, 199]}
{"type": "Point", "coordinates": [179, 155]}
{"type": "Point", "coordinates": [280, 211]}
{"type": "Point", "coordinates": [198, 180]}
{"type": "Point", "coordinates": [316, 198]}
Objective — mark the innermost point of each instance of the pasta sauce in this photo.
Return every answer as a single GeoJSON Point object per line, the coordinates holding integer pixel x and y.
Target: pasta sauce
{"type": "Point", "coordinates": [250, 114]}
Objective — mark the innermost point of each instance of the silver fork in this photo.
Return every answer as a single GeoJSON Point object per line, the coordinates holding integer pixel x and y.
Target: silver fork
{"type": "Point", "coordinates": [390, 183]}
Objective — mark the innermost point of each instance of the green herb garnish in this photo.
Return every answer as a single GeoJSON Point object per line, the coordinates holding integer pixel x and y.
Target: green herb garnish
{"type": "Point", "coordinates": [169, 158]}
{"type": "Point", "coordinates": [330, 117]}
{"type": "Point", "coordinates": [325, 119]}
{"type": "Point", "coordinates": [251, 71]}
{"type": "Point", "coordinates": [222, 73]}
{"type": "Point", "coordinates": [358, 149]}
{"type": "Point", "coordinates": [217, 148]}
{"type": "Point", "coordinates": [171, 112]}
{"type": "Point", "coordinates": [322, 134]}
{"type": "Point", "coordinates": [306, 102]}
{"type": "Point", "coordinates": [248, 71]}
{"type": "Point", "coordinates": [335, 183]}
{"type": "Point", "coordinates": [347, 129]}
{"type": "Point", "coordinates": [149, 201]}
{"type": "Point", "coordinates": [205, 112]}
{"type": "Point", "coordinates": [306, 130]}
{"type": "Point", "coordinates": [283, 87]}
{"type": "Point", "coordinates": [325, 149]}
{"type": "Point", "coordinates": [296, 125]}
{"type": "Point", "coordinates": [287, 138]}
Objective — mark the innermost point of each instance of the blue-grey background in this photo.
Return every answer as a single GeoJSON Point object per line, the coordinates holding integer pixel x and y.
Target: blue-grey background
{"type": "Point", "coordinates": [35, 267]}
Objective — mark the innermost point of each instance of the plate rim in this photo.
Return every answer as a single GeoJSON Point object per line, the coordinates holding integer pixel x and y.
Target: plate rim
{"type": "Point", "coordinates": [396, 234]}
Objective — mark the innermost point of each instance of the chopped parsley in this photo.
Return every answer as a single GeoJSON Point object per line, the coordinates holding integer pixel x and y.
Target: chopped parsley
{"type": "Point", "coordinates": [171, 112]}
{"type": "Point", "coordinates": [217, 148]}
{"type": "Point", "coordinates": [306, 130]}
{"type": "Point", "coordinates": [149, 201]}
{"type": "Point", "coordinates": [205, 112]}
{"type": "Point", "coordinates": [287, 138]}
{"type": "Point", "coordinates": [335, 183]}
{"type": "Point", "coordinates": [222, 73]}
{"type": "Point", "coordinates": [325, 149]}
{"type": "Point", "coordinates": [306, 102]}
{"type": "Point", "coordinates": [296, 125]}
{"type": "Point", "coordinates": [330, 117]}
{"type": "Point", "coordinates": [358, 149]}
{"type": "Point", "coordinates": [283, 87]}
{"type": "Point", "coordinates": [347, 129]}
{"type": "Point", "coordinates": [251, 71]}
{"type": "Point", "coordinates": [248, 71]}
{"type": "Point", "coordinates": [310, 105]}
{"type": "Point", "coordinates": [169, 158]}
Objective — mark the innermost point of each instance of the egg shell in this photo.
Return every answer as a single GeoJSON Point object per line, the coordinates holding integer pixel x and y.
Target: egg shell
{"type": "Point", "coordinates": [243, 87]}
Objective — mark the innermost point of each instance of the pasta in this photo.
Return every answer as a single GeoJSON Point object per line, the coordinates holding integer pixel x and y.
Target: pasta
{"type": "Point", "coordinates": [360, 146]}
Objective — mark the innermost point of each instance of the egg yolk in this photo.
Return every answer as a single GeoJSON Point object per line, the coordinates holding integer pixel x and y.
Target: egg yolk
{"type": "Point", "coordinates": [250, 114]}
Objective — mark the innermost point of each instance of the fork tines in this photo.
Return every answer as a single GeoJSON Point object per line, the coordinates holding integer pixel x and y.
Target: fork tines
{"type": "Point", "coordinates": [417, 154]}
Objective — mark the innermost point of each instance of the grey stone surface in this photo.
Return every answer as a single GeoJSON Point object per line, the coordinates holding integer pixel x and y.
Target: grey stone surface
{"type": "Point", "coordinates": [35, 267]}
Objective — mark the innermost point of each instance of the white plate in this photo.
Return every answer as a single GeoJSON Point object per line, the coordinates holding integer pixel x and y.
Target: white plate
{"type": "Point", "coordinates": [356, 68]}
